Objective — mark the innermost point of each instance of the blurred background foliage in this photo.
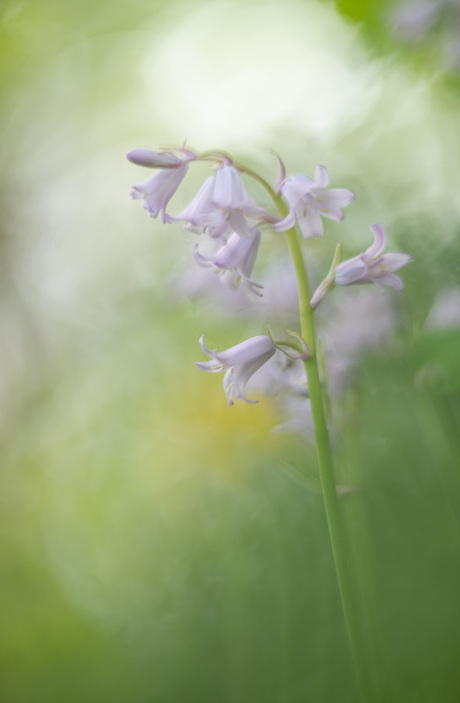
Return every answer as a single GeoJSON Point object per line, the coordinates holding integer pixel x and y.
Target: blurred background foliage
{"type": "Point", "coordinates": [158, 545]}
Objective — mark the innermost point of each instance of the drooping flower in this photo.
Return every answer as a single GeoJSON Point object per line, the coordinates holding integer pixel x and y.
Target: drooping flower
{"type": "Point", "coordinates": [158, 190]}
{"type": "Point", "coordinates": [309, 200]}
{"type": "Point", "coordinates": [238, 255]}
{"type": "Point", "coordinates": [373, 266]}
{"type": "Point", "coordinates": [239, 362]}
{"type": "Point", "coordinates": [221, 206]}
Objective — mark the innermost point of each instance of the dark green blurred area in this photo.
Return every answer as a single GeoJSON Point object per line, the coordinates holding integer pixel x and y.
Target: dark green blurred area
{"type": "Point", "coordinates": [157, 545]}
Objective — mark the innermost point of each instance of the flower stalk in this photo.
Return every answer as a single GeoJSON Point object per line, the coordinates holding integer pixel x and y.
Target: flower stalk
{"type": "Point", "coordinates": [325, 463]}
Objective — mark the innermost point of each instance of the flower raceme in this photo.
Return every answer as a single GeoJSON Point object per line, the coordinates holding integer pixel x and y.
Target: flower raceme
{"type": "Point", "coordinates": [309, 200]}
{"type": "Point", "coordinates": [239, 363]}
{"type": "Point", "coordinates": [373, 266]}
{"type": "Point", "coordinates": [222, 210]}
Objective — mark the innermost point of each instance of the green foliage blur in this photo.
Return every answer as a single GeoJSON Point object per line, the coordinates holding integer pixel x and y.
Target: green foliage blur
{"type": "Point", "coordinates": [157, 545]}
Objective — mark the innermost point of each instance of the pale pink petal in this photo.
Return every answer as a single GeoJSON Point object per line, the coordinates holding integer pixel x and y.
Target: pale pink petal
{"type": "Point", "coordinates": [159, 189]}
{"type": "Point", "coordinates": [378, 245]}
{"type": "Point", "coordinates": [204, 261]}
{"type": "Point", "coordinates": [228, 188]}
{"type": "Point", "coordinates": [153, 159]}
{"type": "Point", "coordinates": [332, 214]}
{"type": "Point", "coordinates": [287, 223]}
{"type": "Point", "coordinates": [215, 223]}
{"type": "Point", "coordinates": [232, 253]}
{"type": "Point", "coordinates": [335, 198]}
{"type": "Point", "coordinates": [239, 224]}
{"type": "Point", "coordinates": [204, 347]}
{"type": "Point", "coordinates": [142, 189]}
{"type": "Point", "coordinates": [295, 188]}
{"type": "Point", "coordinates": [390, 279]}
{"type": "Point", "coordinates": [249, 259]}
{"type": "Point", "coordinates": [246, 351]}
{"type": "Point", "coordinates": [202, 202]}
{"type": "Point", "coordinates": [240, 363]}
{"type": "Point", "coordinates": [310, 223]}
{"type": "Point", "coordinates": [393, 262]}
{"type": "Point", "coordinates": [321, 177]}
{"type": "Point", "coordinates": [236, 377]}
{"type": "Point", "coordinates": [350, 271]}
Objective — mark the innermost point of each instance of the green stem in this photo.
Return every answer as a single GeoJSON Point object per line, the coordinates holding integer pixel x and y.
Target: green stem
{"type": "Point", "coordinates": [326, 470]}
{"type": "Point", "coordinates": [324, 455]}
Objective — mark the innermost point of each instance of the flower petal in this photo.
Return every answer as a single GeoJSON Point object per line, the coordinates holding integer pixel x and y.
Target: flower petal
{"type": "Point", "coordinates": [335, 198]}
{"type": "Point", "coordinates": [296, 187]}
{"type": "Point", "coordinates": [375, 250]}
{"type": "Point", "coordinates": [159, 189]}
{"type": "Point", "coordinates": [153, 159]}
{"type": "Point", "coordinates": [310, 223]}
{"type": "Point", "coordinates": [142, 189]}
{"type": "Point", "coordinates": [350, 271]}
{"type": "Point", "coordinates": [287, 223]}
{"type": "Point", "coordinates": [236, 378]}
{"type": "Point", "coordinates": [233, 253]}
{"type": "Point", "coordinates": [390, 279]}
{"type": "Point", "coordinates": [321, 177]}
{"type": "Point", "coordinates": [204, 261]}
{"type": "Point", "coordinates": [249, 259]}
{"type": "Point", "coordinates": [240, 362]}
{"type": "Point", "coordinates": [332, 214]}
{"type": "Point", "coordinates": [202, 202]}
{"type": "Point", "coordinates": [393, 262]}
{"type": "Point", "coordinates": [205, 349]}
{"type": "Point", "coordinates": [246, 351]}
{"type": "Point", "coordinates": [228, 188]}
{"type": "Point", "coordinates": [211, 366]}
{"type": "Point", "coordinates": [238, 222]}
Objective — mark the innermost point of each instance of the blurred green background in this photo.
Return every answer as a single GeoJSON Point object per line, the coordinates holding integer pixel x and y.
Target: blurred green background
{"type": "Point", "coordinates": [157, 545]}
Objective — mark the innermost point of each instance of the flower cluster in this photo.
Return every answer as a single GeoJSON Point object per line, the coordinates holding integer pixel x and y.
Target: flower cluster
{"type": "Point", "coordinates": [222, 212]}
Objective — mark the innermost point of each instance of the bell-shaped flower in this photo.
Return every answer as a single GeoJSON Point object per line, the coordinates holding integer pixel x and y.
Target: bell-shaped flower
{"type": "Point", "coordinates": [239, 362]}
{"type": "Point", "coordinates": [238, 255]}
{"type": "Point", "coordinates": [373, 266]}
{"type": "Point", "coordinates": [221, 206]}
{"type": "Point", "coordinates": [309, 201]}
{"type": "Point", "coordinates": [158, 190]}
